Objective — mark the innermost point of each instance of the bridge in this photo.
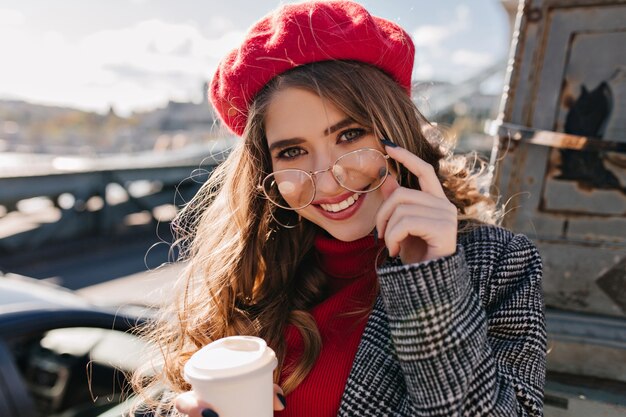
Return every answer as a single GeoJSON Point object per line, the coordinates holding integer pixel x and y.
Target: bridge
{"type": "Point", "coordinates": [84, 221]}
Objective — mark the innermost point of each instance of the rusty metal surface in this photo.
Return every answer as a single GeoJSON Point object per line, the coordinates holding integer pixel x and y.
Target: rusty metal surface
{"type": "Point", "coordinates": [557, 139]}
{"type": "Point", "coordinates": [567, 74]}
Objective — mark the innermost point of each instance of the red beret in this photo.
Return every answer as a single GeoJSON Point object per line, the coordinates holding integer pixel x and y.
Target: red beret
{"type": "Point", "coordinates": [298, 34]}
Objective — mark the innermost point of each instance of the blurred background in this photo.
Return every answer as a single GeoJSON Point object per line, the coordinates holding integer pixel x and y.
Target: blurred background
{"type": "Point", "coordinates": [105, 128]}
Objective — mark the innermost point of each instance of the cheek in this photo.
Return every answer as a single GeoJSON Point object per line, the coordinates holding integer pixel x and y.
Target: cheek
{"type": "Point", "coordinates": [394, 170]}
{"type": "Point", "coordinates": [377, 200]}
{"type": "Point", "coordinates": [311, 214]}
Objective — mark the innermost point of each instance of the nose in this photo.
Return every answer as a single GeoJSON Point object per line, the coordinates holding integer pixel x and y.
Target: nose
{"type": "Point", "coordinates": [325, 182]}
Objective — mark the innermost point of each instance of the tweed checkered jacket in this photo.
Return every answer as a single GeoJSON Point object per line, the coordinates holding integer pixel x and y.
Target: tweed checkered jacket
{"type": "Point", "coordinates": [462, 335]}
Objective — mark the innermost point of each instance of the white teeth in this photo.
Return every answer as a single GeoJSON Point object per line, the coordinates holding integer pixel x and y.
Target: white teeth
{"type": "Point", "coordinates": [333, 208]}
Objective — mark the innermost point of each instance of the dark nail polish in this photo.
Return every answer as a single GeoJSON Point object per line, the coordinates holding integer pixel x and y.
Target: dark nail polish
{"type": "Point", "coordinates": [207, 412]}
{"type": "Point", "coordinates": [375, 233]}
{"type": "Point", "coordinates": [282, 400]}
{"type": "Point", "coordinates": [389, 143]}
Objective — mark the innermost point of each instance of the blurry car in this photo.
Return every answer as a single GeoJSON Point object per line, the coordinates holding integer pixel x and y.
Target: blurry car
{"type": "Point", "coordinates": [61, 355]}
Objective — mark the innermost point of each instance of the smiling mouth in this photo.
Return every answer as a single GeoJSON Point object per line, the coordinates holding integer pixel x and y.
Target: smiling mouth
{"type": "Point", "coordinates": [334, 208]}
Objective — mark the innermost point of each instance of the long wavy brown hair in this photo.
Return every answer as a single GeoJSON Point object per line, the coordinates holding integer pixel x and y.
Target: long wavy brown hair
{"type": "Point", "coordinates": [245, 274]}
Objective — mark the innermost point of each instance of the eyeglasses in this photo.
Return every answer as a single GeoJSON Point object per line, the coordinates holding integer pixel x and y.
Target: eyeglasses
{"type": "Point", "coordinates": [360, 171]}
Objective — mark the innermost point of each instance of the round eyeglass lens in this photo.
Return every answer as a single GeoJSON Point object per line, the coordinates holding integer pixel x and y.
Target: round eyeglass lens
{"type": "Point", "coordinates": [362, 170]}
{"type": "Point", "coordinates": [289, 188]}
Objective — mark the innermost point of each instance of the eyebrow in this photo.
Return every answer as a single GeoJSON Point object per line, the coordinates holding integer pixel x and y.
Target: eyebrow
{"type": "Point", "coordinates": [279, 144]}
{"type": "Point", "coordinates": [339, 125]}
{"type": "Point", "coordinates": [296, 141]}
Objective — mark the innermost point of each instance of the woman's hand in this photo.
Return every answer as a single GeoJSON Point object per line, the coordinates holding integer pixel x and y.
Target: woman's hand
{"type": "Point", "coordinates": [188, 403]}
{"type": "Point", "coordinates": [417, 225]}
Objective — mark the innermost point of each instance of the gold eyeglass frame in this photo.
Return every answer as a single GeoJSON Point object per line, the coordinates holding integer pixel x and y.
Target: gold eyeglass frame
{"type": "Point", "coordinates": [312, 174]}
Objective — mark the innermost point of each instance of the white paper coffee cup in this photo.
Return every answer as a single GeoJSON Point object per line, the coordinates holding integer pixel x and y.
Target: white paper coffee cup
{"type": "Point", "coordinates": [234, 375]}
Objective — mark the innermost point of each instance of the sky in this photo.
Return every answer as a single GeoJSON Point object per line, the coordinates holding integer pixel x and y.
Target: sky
{"type": "Point", "coordinates": [136, 55]}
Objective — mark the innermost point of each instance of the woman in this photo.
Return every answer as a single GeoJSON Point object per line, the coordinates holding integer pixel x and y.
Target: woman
{"type": "Point", "coordinates": [339, 231]}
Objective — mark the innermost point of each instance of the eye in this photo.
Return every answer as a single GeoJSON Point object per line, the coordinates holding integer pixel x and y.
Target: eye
{"type": "Point", "coordinates": [290, 153]}
{"type": "Point", "coordinates": [351, 135]}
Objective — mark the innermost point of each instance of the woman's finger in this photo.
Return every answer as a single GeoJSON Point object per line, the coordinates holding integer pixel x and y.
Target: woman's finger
{"type": "Point", "coordinates": [406, 196]}
{"type": "Point", "coordinates": [187, 403]}
{"type": "Point", "coordinates": [279, 399]}
{"type": "Point", "coordinates": [424, 172]}
{"type": "Point", "coordinates": [426, 212]}
{"type": "Point", "coordinates": [435, 234]}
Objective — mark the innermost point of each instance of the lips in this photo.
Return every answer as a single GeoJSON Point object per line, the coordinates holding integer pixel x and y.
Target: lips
{"type": "Point", "coordinates": [342, 205]}
{"type": "Point", "coordinates": [342, 214]}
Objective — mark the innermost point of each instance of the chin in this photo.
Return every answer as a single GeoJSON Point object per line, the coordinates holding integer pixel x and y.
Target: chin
{"type": "Point", "coordinates": [346, 234]}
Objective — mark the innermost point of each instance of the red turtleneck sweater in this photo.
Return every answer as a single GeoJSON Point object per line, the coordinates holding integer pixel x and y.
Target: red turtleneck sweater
{"type": "Point", "coordinates": [350, 267]}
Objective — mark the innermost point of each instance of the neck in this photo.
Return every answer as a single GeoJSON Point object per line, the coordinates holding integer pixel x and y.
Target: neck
{"type": "Point", "coordinates": [347, 260]}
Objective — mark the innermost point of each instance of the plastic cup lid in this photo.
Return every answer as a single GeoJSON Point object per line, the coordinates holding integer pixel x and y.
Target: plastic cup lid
{"type": "Point", "coordinates": [230, 357]}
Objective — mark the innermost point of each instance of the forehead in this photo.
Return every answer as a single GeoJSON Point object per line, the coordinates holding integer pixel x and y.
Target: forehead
{"type": "Point", "coordinates": [297, 113]}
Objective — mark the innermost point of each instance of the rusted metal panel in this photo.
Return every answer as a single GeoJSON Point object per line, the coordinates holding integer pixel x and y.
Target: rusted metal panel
{"type": "Point", "coordinates": [561, 166]}
{"type": "Point", "coordinates": [567, 75]}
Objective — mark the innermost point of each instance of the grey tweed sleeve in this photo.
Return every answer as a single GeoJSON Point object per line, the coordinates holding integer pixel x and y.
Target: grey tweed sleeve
{"type": "Point", "coordinates": [470, 338]}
